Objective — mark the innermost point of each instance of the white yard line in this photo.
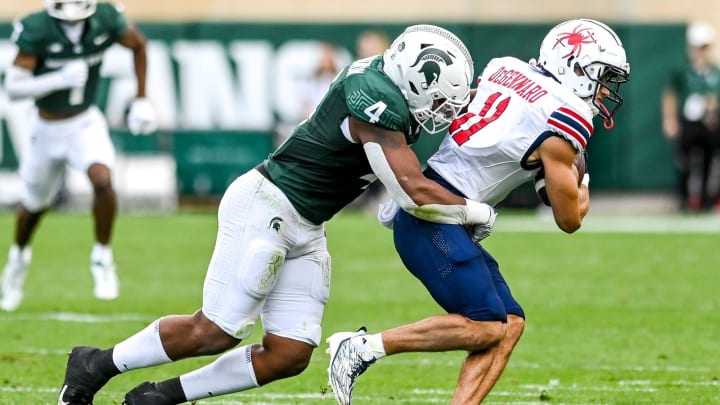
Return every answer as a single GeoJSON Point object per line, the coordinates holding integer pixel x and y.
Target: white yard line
{"type": "Point", "coordinates": [76, 317]}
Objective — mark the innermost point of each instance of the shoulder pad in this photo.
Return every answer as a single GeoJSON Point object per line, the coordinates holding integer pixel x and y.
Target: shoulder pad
{"type": "Point", "coordinates": [29, 31]}
{"type": "Point", "coordinates": [573, 122]}
{"type": "Point", "coordinates": [112, 16]}
{"type": "Point", "coordinates": [373, 98]}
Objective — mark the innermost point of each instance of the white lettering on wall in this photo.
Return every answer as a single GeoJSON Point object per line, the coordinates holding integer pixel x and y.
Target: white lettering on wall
{"type": "Point", "coordinates": [202, 85]}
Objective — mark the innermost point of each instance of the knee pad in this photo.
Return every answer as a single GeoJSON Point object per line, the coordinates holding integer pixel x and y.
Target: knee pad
{"type": "Point", "coordinates": [260, 268]}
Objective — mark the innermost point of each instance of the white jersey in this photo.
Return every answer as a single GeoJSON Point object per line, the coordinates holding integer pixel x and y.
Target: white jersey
{"type": "Point", "coordinates": [485, 153]}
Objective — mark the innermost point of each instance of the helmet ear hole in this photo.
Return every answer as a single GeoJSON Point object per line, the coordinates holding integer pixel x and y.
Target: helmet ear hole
{"type": "Point", "coordinates": [413, 88]}
{"type": "Point", "coordinates": [570, 61]}
{"type": "Point", "coordinates": [578, 70]}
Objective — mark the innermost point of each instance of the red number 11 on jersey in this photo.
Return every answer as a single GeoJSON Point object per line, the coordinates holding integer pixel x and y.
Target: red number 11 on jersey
{"type": "Point", "coordinates": [463, 135]}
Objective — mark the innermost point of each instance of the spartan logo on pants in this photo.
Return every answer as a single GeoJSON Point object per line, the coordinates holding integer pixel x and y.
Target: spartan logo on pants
{"type": "Point", "coordinates": [275, 224]}
{"type": "Point", "coordinates": [431, 66]}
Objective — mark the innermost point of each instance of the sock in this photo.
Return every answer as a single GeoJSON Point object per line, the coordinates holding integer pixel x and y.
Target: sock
{"type": "Point", "coordinates": [143, 349]}
{"type": "Point", "coordinates": [172, 389]}
{"type": "Point", "coordinates": [101, 253]}
{"type": "Point", "coordinates": [103, 363]}
{"type": "Point", "coordinates": [23, 254]}
{"type": "Point", "coordinates": [375, 343]}
{"type": "Point", "coordinates": [231, 372]}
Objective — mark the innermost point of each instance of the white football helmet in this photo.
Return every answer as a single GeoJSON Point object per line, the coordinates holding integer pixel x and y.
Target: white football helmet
{"type": "Point", "coordinates": [70, 10]}
{"type": "Point", "coordinates": [433, 70]}
{"type": "Point", "coordinates": [586, 55]}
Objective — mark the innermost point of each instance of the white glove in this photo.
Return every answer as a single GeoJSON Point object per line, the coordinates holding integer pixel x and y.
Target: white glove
{"type": "Point", "coordinates": [141, 117]}
{"type": "Point", "coordinates": [73, 74]}
{"type": "Point", "coordinates": [478, 213]}
{"type": "Point", "coordinates": [478, 232]}
{"type": "Point", "coordinates": [387, 212]}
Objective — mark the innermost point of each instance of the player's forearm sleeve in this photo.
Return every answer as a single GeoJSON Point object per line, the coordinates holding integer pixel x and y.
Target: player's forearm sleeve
{"type": "Point", "coordinates": [472, 212]}
{"type": "Point", "coordinates": [382, 170]}
{"type": "Point", "coordinates": [21, 83]}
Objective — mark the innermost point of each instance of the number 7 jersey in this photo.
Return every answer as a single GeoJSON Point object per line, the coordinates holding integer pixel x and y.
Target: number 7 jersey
{"type": "Point", "coordinates": [515, 108]}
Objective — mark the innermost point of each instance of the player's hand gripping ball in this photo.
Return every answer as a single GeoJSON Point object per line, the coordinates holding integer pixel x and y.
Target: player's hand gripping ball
{"type": "Point", "coordinates": [580, 164]}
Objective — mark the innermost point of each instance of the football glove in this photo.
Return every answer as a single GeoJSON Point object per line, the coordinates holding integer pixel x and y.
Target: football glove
{"type": "Point", "coordinates": [478, 232]}
{"type": "Point", "coordinates": [141, 118]}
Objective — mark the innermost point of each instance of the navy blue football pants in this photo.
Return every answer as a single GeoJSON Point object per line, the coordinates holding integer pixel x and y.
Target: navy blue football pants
{"type": "Point", "coordinates": [461, 276]}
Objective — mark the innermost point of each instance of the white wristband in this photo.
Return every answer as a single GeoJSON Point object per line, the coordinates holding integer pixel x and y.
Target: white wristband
{"type": "Point", "coordinates": [586, 180]}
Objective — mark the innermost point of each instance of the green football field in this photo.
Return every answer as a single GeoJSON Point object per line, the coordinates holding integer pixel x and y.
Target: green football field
{"type": "Point", "coordinates": [626, 311]}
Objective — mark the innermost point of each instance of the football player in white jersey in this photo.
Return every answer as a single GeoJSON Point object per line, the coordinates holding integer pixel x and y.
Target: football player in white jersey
{"type": "Point", "coordinates": [57, 64]}
{"type": "Point", "coordinates": [523, 118]}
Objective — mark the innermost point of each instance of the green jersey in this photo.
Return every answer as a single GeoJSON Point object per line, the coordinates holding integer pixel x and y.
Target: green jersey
{"type": "Point", "coordinates": [690, 85]}
{"type": "Point", "coordinates": [321, 170]}
{"type": "Point", "coordinates": [41, 35]}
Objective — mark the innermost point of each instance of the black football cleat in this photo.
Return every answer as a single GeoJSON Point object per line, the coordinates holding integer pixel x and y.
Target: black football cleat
{"type": "Point", "coordinates": [147, 394]}
{"type": "Point", "coordinates": [82, 381]}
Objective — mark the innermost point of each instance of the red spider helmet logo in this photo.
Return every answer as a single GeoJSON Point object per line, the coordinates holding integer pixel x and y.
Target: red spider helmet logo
{"type": "Point", "coordinates": [575, 40]}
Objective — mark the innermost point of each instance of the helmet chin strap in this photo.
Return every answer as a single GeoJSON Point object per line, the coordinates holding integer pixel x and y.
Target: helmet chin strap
{"type": "Point", "coordinates": [608, 122]}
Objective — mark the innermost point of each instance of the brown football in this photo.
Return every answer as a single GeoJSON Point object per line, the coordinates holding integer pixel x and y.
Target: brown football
{"type": "Point", "coordinates": [581, 166]}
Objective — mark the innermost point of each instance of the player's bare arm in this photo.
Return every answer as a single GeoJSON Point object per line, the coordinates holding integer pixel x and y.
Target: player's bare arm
{"type": "Point", "coordinates": [135, 41]}
{"type": "Point", "coordinates": [404, 164]}
{"type": "Point", "coordinates": [561, 179]}
{"type": "Point", "coordinates": [141, 116]}
{"type": "Point", "coordinates": [24, 60]}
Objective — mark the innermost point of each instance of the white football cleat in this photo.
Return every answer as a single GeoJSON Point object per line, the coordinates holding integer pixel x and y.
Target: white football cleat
{"type": "Point", "coordinates": [13, 278]}
{"type": "Point", "coordinates": [347, 361]}
{"type": "Point", "coordinates": [102, 268]}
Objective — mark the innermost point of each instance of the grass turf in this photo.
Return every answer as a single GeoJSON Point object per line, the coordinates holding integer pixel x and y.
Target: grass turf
{"type": "Point", "coordinates": [613, 317]}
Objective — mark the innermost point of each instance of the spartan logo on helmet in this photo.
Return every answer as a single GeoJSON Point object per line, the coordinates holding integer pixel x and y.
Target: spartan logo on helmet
{"type": "Point", "coordinates": [432, 57]}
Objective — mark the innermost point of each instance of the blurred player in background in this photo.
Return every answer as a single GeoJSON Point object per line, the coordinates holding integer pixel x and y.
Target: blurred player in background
{"type": "Point", "coordinates": [524, 117]}
{"type": "Point", "coordinates": [58, 64]}
{"type": "Point", "coordinates": [315, 86]}
{"type": "Point", "coordinates": [271, 258]}
{"type": "Point", "coordinates": [690, 119]}
{"type": "Point", "coordinates": [371, 43]}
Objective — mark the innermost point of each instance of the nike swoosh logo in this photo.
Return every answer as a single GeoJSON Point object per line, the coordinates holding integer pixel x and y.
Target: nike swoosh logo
{"type": "Point", "coordinates": [62, 393]}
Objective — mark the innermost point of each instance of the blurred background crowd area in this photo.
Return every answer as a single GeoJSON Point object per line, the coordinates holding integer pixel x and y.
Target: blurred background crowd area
{"type": "Point", "coordinates": [511, 11]}
{"type": "Point", "coordinates": [230, 78]}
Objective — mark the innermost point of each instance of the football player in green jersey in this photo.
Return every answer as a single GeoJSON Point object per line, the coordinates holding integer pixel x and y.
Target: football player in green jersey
{"type": "Point", "coordinates": [58, 62]}
{"type": "Point", "coordinates": [271, 258]}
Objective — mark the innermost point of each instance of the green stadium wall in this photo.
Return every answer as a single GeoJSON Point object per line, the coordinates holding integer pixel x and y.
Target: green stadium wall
{"type": "Point", "coordinates": [632, 157]}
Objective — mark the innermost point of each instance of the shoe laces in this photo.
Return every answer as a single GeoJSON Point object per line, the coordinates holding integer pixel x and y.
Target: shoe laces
{"type": "Point", "coordinates": [358, 367]}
